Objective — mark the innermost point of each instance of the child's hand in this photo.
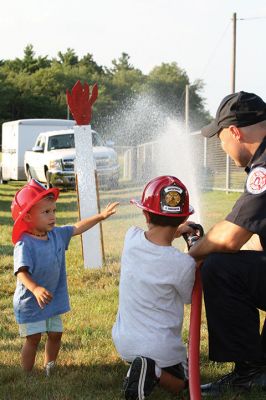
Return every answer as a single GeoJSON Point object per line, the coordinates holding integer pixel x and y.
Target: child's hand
{"type": "Point", "coordinates": [109, 210]}
{"type": "Point", "coordinates": [88, 223]}
{"type": "Point", "coordinates": [184, 228]}
{"type": "Point", "coordinates": [43, 296]}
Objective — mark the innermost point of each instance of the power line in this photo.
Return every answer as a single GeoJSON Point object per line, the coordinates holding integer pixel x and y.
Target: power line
{"type": "Point", "coordinates": [210, 59]}
{"type": "Point", "coordinates": [250, 18]}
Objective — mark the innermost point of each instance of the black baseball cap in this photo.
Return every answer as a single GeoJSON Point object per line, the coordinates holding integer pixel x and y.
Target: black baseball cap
{"type": "Point", "coordinates": [239, 109]}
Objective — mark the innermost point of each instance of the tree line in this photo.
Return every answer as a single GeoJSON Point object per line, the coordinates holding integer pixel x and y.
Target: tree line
{"type": "Point", "coordinates": [35, 87]}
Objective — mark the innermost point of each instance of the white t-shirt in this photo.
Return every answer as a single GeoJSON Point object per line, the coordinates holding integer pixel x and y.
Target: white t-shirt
{"type": "Point", "coordinates": [155, 283]}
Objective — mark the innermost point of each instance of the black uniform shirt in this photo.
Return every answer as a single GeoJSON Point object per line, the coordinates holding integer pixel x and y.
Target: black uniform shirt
{"type": "Point", "coordinates": [250, 209]}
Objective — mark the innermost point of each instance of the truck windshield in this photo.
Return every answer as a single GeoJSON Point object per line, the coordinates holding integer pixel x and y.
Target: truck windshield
{"type": "Point", "coordinates": [61, 142]}
{"type": "Point", "coordinates": [67, 141]}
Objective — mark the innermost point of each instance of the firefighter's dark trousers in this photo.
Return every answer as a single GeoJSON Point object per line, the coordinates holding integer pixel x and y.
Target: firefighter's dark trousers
{"type": "Point", "coordinates": [234, 287]}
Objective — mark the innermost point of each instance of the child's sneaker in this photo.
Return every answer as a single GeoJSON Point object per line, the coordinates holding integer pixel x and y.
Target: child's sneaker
{"type": "Point", "coordinates": [141, 379]}
{"type": "Point", "coordinates": [49, 367]}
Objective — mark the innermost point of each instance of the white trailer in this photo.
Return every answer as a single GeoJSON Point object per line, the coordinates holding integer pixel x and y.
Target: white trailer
{"type": "Point", "coordinates": [19, 136]}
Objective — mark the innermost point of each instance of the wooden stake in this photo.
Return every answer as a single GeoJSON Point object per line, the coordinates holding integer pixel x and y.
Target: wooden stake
{"type": "Point", "coordinates": [99, 210]}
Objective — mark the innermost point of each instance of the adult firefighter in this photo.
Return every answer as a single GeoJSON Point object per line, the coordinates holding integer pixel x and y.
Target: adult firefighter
{"type": "Point", "coordinates": [234, 280]}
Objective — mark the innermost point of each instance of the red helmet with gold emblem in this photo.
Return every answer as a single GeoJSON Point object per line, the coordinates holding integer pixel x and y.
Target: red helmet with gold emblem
{"type": "Point", "coordinates": [165, 195]}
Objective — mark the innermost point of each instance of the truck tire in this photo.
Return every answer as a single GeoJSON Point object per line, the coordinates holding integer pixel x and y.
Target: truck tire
{"type": "Point", "coordinates": [2, 182]}
{"type": "Point", "coordinates": [28, 173]}
{"type": "Point", "coordinates": [48, 184]}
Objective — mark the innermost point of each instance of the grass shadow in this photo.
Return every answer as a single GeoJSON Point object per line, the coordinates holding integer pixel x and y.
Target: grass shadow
{"type": "Point", "coordinates": [5, 205]}
{"type": "Point", "coordinates": [98, 381]}
{"type": "Point", "coordinates": [6, 249]}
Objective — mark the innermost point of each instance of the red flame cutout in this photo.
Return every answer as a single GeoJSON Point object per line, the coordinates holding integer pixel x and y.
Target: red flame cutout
{"type": "Point", "coordinates": [80, 102]}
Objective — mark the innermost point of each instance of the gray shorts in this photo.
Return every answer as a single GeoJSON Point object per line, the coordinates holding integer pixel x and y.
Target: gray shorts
{"type": "Point", "coordinates": [53, 324]}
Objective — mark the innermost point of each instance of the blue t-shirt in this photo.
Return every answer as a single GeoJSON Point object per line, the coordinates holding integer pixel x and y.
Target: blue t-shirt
{"type": "Point", "coordinates": [45, 260]}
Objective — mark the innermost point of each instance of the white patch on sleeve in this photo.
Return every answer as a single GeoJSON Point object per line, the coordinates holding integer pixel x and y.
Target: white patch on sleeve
{"type": "Point", "coordinates": [256, 182]}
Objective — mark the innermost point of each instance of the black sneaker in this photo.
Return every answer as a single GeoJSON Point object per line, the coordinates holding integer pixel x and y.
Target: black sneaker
{"type": "Point", "coordinates": [241, 379]}
{"type": "Point", "coordinates": [141, 379]}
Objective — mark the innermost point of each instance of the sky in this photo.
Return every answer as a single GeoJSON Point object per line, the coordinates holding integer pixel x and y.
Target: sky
{"type": "Point", "coordinates": [196, 34]}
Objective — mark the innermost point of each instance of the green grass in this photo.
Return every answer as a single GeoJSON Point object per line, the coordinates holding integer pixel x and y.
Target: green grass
{"type": "Point", "coordinates": [88, 365]}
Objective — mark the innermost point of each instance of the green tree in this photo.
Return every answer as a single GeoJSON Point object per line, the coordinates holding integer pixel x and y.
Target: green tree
{"type": "Point", "coordinates": [198, 116]}
{"type": "Point", "coordinates": [91, 66]}
{"type": "Point", "coordinates": [123, 80]}
{"type": "Point", "coordinates": [122, 63]}
{"type": "Point", "coordinates": [8, 95]}
{"type": "Point", "coordinates": [35, 87]}
{"type": "Point", "coordinates": [29, 63]}
{"type": "Point", "coordinates": [120, 85]}
{"type": "Point", "coordinates": [68, 58]}
{"type": "Point", "coordinates": [167, 83]}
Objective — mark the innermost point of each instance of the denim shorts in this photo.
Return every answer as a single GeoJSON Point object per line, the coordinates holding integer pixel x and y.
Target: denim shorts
{"type": "Point", "coordinates": [53, 324]}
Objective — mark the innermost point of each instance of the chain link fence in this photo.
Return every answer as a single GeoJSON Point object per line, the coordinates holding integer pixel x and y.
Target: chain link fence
{"type": "Point", "coordinates": [213, 168]}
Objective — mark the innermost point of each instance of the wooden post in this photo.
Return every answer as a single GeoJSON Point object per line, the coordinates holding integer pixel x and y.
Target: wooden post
{"type": "Point", "coordinates": [99, 210]}
{"type": "Point", "coordinates": [77, 191]}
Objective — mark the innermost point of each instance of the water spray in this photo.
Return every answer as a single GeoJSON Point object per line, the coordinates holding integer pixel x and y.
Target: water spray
{"type": "Point", "coordinates": [158, 144]}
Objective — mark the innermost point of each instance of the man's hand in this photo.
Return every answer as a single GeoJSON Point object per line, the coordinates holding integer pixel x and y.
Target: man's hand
{"type": "Point", "coordinates": [109, 210]}
{"type": "Point", "coordinates": [225, 237]}
{"type": "Point", "coordinates": [43, 296]}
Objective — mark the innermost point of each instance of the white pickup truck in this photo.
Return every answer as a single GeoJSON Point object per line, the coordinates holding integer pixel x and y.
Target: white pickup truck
{"type": "Point", "coordinates": [52, 159]}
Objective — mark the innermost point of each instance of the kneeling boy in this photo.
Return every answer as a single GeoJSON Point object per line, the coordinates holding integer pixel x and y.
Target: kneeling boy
{"type": "Point", "coordinates": [156, 281]}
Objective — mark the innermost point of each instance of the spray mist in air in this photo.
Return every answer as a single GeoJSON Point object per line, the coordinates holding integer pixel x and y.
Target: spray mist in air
{"type": "Point", "coordinates": [162, 145]}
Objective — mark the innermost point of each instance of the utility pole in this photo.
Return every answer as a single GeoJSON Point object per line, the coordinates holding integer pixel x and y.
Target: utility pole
{"type": "Point", "coordinates": [187, 109]}
{"type": "Point", "coordinates": [234, 55]}
{"type": "Point", "coordinates": [233, 87]}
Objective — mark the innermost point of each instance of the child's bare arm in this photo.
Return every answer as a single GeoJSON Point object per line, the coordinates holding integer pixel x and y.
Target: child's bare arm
{"type": "Point", "coordinates": [43, 296]}
{"type": "Point", "coordinates": [88, 223]}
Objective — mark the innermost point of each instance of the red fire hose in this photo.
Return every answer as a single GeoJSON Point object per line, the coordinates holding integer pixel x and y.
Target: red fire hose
{"type": "Point", "coordinates": [195, 321]}
{"type": "Point", "coordinates": [194, 339]}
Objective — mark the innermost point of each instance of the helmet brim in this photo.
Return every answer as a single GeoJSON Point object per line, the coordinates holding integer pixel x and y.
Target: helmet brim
{"type": "Point", "coordinates": [20, 226]}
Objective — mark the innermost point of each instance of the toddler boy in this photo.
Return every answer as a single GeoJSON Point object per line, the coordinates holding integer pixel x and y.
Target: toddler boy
{"type": "Point", "coordinates": [41, 294]}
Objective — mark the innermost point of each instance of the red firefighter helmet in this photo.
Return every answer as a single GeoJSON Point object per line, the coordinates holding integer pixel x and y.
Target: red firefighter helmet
{"type": "Point", "coordinates": [24, 199]}
{"type": "Point", "coordinates": [165, 195]}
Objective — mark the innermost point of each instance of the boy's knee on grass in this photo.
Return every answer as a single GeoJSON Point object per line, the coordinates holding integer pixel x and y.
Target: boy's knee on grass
{"type": "Point", "coordinates": [171, 383]}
